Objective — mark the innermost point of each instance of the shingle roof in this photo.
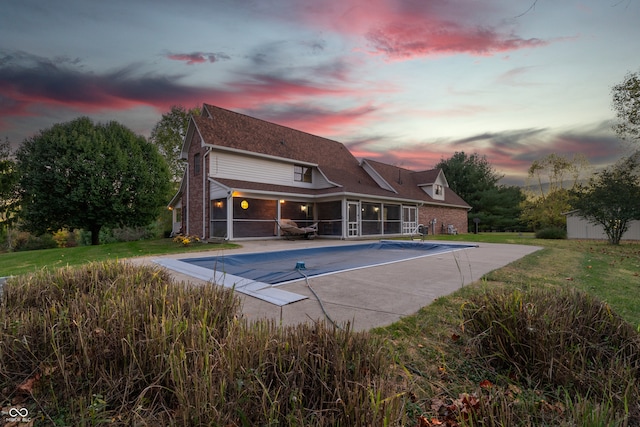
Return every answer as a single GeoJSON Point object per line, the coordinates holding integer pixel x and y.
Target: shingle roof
{"type": "Point", "coordinates": [406, 182]}
{"type": "Point", "coordinates": [225, 128]}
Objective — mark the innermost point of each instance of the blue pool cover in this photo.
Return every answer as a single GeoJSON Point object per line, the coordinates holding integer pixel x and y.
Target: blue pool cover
{"type": "Point", "coordinates": [280, 266]}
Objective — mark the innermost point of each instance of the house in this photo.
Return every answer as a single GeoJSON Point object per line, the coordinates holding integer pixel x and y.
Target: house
{"type": "Point", "coordinates": [243, 172]}
{"type": "Point", "coordinates": [581, 228]}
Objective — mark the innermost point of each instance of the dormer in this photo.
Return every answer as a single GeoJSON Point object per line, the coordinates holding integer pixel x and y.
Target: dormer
{"type": "Point", "coordinates": [435, 188]}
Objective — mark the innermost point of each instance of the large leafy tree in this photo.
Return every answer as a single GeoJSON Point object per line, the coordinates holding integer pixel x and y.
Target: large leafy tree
{"type": "Point", "coordinates": [612, 197]}
{"type": "Point", "coordinates": [475, 180]}
{"type": "Point", "coordinates": [168, 135]}
{"type": "Point", "coordinates": [84, 175]}
{"type": "Point", "coordinates": [626, 103]}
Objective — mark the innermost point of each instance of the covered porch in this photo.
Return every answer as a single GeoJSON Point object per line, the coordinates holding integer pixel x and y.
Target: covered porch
{"type": "Point", "coordinates": [240, 215]}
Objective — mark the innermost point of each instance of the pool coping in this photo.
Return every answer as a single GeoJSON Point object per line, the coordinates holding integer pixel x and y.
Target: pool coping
{"type": "Point", "coordinates": [260, 290]}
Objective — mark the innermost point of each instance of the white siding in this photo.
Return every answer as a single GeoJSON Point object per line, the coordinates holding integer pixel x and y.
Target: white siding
{"type": "Point", "coordinates": [217, 191]}
{"type": "Point", "coordinates": [580, 228]}
{"type": "Point", "coordinates": [255, 169]}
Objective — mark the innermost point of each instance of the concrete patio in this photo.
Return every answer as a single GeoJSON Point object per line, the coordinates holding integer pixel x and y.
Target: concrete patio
{"type": "Point", "coordinates": [368, 297]}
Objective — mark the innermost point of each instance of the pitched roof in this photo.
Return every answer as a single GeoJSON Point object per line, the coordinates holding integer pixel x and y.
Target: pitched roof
{"type": "Point", "coordinates": [224, 128]}
{"type": "Point", "coordinates": [407, 183]}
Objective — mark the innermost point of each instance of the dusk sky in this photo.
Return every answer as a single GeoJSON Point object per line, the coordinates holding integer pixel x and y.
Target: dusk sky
{"type": "Point", "coordinates": [407, 82]}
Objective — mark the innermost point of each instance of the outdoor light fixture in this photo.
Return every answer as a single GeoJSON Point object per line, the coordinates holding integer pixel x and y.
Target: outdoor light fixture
{"type": "Point", "coordinates": [303, 208]}
{"type": "Point", "coordinates": [282, 201]}
{"type": "Point", "coordinates": [244, 204]}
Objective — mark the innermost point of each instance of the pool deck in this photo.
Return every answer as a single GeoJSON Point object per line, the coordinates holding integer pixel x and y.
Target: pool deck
{"type": "Point", "coordinates": [368, 297]}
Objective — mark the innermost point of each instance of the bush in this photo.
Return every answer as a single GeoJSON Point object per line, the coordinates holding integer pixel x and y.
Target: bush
{"type": "Point", "coordinates": [551, 233]}
{"type": "Point", "coordinates": [65, 238]}
{"type": "Point", "coordinates": [563, 339]}
{"type": "Point", "coordinates": [24, 241]}
{"type": "Point", "coordinates": [129, 346]}
{"type": "Point", "coordinates": [123, 234]}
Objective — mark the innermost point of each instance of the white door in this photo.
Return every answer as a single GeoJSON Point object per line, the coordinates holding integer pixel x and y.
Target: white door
{"type": "Point", "coordinates": [353, 219]}
{"type": "Point", "coordinates": [409, 219]}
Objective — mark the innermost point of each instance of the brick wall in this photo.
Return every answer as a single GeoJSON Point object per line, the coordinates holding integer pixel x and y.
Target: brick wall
{"type": "Point", "coordinates": [444, 216]}
{"type": "Point", "coordinates": [195, 190]}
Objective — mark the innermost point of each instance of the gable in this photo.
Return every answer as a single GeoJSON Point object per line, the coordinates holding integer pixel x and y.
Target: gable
{"type": "Point", "coordinates": [434, 185]}
{"type": "Point", "coordinates": [222, 129]}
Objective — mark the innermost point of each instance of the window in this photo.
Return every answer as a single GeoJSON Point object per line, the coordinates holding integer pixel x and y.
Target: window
{"type": "Point", "coordinates": [302, 173]}
{"type": "Point", "coordinates": [438, 190]}
{"type": "Point", "coordinates": [196, 164]}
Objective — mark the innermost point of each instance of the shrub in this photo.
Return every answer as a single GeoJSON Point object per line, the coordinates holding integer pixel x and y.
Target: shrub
{"type": "Point", "coordinates": [24, 241]}
{"type": "Point", "coordinates": [64, 238]}
{"type": "Point", "coordinates": [186, 240]}
{"type": "Point", "coordinates": [128, 346]}
{"type": "Point", "coordinates": [563, 339]}
{"type": "Point", "coordinates": [551, 233]}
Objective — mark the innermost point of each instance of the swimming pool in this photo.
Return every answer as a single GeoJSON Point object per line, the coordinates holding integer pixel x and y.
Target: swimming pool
{"type": "Point", "coordinates": [257, 274]}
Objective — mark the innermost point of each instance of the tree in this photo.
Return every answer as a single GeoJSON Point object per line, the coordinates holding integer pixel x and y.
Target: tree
{"type": "Point", "coordinates": [626, 103]}
{"type": "Point", "coordinates": [611, 198]}
{"type": "Point", "coordinates": [554, 176]}
{"type": "Point", "coordinates": [545, 212]}
{"type": "Point", "coordinates": [82, 175]}
{"type": "Point", "coordinates": [8, 185]}
{"type": "Point", "coordinates": [468, 176]}
{"type": "Point", "coordinates": [474, 179]}
{"type": "Point", "coordinates": [168, 135]}
{"type": "Point", "coordinates": [500, 209]}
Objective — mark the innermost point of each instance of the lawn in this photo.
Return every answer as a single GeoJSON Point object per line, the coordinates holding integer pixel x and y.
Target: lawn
{"type": "Point", "coordinates": [14, 263]}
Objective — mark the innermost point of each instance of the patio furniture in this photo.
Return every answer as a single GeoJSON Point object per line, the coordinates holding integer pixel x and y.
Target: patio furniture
{"type": "Point", "coordinates": [290, 229]}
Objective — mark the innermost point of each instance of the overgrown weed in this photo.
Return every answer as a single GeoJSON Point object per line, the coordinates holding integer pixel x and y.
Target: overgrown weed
{"type": "Point", "coordinates": [124, 345]}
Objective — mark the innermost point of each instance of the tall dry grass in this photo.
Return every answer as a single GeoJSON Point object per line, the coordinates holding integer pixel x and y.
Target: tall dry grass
{"type": "Point", "coordinates": [562, 342]}
{"type": "Point", "coordinates": [110, 343]}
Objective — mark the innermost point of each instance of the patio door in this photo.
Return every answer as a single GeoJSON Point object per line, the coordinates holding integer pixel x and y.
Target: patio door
{"type": "Point", "coordinates": [409, 219]}
{"type": "Point", "coordinates": [353, 219]}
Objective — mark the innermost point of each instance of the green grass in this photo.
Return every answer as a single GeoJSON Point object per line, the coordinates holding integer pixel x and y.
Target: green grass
{"type": "Point", "coordinates": [15, 263]}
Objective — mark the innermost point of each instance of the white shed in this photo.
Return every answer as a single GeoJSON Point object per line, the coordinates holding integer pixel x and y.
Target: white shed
{"type": "Point", "coordinates": [580, 228]}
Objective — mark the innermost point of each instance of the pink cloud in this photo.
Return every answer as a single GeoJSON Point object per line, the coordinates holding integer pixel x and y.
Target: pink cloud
{"type": "Point", "coordinates": [406, 40]}
{"type": "Point", "coordinates": [402, 29]}
{"type": "Point", "coordinates": [197, 57]}
{"type": "Point", "coordinates": [316, 120]}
